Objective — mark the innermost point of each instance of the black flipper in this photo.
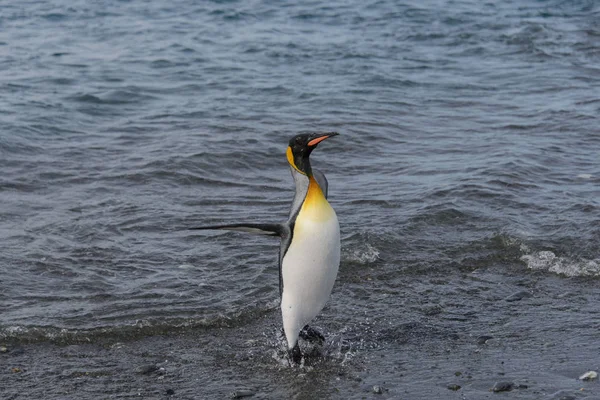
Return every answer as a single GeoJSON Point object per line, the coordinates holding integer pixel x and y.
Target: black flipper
{"type": "Point", "coordinates": [261, 229]}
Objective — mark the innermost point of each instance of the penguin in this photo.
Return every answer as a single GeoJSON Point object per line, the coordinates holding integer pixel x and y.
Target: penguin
{"type": "Point", "coordinates": [309, 255]}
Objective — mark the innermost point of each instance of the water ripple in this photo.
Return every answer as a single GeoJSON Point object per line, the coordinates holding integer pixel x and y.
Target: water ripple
{"type": "Point", "coordinates": [124, 123]}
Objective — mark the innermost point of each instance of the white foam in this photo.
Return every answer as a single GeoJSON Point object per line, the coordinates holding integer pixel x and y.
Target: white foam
{"type": "Point", "coordinates": [588, 376]}
{"type": "Point", "coordinates": [363, 254]}
{"type": "Point", "coordinates": [547, 260]}
{"type": "Point", "coordinates": [585, 176]}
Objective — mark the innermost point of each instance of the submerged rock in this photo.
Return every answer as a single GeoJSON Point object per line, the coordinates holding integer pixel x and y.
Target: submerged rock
{"type": "Point", "coordinates": [377, 389]}
{"type": "Point", "coordinates": [454, 386]}
{"type": "Point", "coordinates": [563, 395]}
{"type": "Point", "coordinates": [502, 387]}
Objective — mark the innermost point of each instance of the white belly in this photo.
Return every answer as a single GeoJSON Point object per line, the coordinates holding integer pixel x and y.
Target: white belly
{"type": "Point", "coordinates": [309, 269]}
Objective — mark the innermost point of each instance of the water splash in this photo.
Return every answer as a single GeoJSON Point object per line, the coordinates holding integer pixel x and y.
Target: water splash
{"type": "Point", "coordinates": [547, 260]}
{"type": "Point", "coordinates": [363, 254]}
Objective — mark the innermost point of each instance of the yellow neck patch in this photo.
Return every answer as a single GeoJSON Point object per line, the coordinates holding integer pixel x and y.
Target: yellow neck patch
{"type": "Point", "coordinates": [315, 207]}
{"type": "Point", "coordinates": [290, 158]}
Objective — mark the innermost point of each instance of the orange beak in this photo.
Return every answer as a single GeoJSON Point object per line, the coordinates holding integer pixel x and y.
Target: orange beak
{"type": "Point", "coordinates": [319, 139]}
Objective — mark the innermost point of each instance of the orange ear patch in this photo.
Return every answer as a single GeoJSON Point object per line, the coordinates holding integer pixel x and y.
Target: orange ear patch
{"type": "Point", "coordinates": [316, 141]}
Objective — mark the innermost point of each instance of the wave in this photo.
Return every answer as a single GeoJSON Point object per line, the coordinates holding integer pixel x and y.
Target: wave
{"type": "Point", "coordinates": [126, 95]}
{"type": "Point", "coordinates": [548, 261]}
{"type": "Point", "coordinates": [138, 329]}
{"type": "Point", "coordinates": [364, 253]}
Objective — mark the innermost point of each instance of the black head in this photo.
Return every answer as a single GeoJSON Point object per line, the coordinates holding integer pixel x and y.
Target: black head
{"type": "Point", "coordinates": [301, 146]}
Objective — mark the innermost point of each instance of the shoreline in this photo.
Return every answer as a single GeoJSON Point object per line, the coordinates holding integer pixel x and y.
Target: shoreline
{"type": "Point", "coordinates": [410, 360]}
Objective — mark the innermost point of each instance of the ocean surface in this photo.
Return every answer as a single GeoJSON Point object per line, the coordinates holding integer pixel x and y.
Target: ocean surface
{"type": "Point", "coordinates": [466, 179]}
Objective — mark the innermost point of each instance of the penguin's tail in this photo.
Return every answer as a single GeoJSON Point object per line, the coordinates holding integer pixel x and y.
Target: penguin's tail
{"type": "Point", "coordinates": [260, 229]}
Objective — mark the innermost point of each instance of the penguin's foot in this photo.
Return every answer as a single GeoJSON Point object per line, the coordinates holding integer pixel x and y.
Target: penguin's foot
{"type": "Point", "coordinates": [295, 354]}
{"type": "Point", "coordinates": [312, 335]}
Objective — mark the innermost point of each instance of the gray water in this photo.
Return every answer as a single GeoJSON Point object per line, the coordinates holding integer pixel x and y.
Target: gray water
{"type": "Point", "coordinates": [466, 172]}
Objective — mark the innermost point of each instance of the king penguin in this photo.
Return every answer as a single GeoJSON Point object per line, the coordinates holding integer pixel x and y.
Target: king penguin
{"type": "Point", "coordinates": [309, 256]}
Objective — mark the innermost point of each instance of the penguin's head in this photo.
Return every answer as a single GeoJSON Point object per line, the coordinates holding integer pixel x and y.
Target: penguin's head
{"type": "Point", "coordinates": [301, 146]}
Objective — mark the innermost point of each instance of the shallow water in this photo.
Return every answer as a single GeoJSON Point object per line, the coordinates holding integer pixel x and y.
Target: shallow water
{"type": "Point", "coordinates": [466, 172]}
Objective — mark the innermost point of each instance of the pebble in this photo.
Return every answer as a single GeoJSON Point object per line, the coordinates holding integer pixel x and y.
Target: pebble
{"type": "Point", "coordinates": [239, 393]}
{"type": "Point", "coordinates": [588, 376]}
{"type": "Point", "coordinates": [377, 389]}
{"type": "Point", "coordinates": [502, 387]}
{"type": "Point", "coordinates": [523, 294]}
{"type": "Point", "coordinates": [454, 386]}
{"type": "Point", "coordinates": [483, 339]}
